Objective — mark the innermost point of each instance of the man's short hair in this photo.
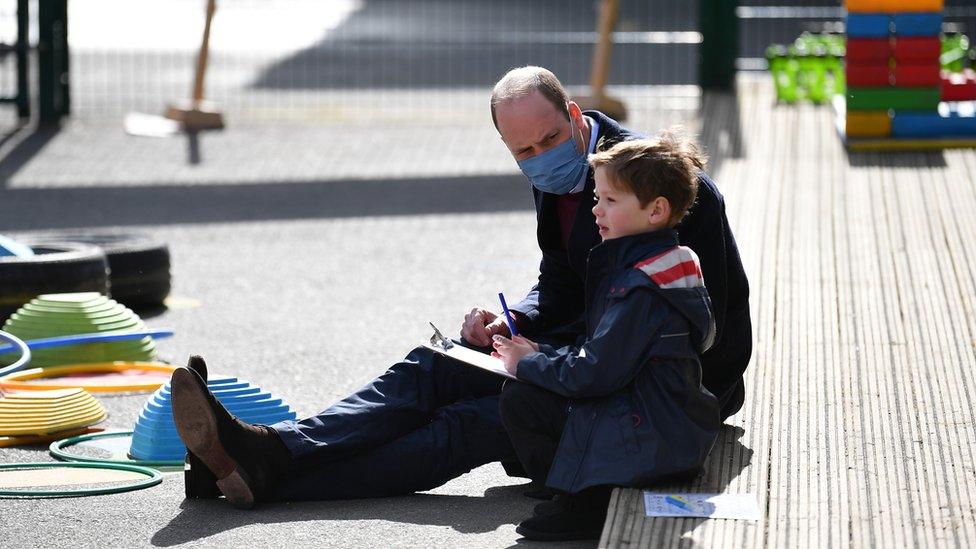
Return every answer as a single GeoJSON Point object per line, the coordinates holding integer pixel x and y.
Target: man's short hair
{"type": "Point", "coordinates": [523, 81]}
{"type": "Point", "coordinates": [667, 165]}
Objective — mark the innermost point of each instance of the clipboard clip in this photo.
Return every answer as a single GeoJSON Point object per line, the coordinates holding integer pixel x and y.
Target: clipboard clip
{"type": "Point", "coordinates": [439, 340]}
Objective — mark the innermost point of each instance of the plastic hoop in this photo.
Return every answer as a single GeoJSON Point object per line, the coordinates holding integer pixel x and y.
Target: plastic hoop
{"type": "Point", "coordinates": [78, 339]}
{"type": "Point", "coordinates": [25, 353]}
{"type": "Point", "coordinates": [154, 478]}
{"type": "Point", "coordinates": [20, 381]}
{"type": "Point", "coordinates": [57, 451]}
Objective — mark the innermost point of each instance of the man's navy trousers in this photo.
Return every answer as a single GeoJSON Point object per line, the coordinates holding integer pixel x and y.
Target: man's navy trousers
{"type": "Point", "coordinates": [425, 421]}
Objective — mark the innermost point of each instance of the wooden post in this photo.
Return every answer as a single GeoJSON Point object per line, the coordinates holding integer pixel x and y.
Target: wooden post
{"type": "Point", "coordinates": [600, 69]}
{"type": "Point", "coordinates": [198, 114]}
{"type": "Point", "coordinates": [202, 58]}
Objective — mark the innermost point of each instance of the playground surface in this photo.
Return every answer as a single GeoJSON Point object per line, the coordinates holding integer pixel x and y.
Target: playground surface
{"type": "Point", "coordinates": [857, 428]}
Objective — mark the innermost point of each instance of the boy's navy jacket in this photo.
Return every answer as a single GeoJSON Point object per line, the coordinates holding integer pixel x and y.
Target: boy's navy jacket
{"type": "Point", "coordinates": [638, 409]}
{"type": "Point", "coordinates": [555, 305]}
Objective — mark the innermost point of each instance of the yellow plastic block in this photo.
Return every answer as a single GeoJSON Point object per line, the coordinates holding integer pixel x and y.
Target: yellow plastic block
{"type": "Point", "coordinates": [893, 6]}
{"type": "Point", "coordinates": [868, 124]}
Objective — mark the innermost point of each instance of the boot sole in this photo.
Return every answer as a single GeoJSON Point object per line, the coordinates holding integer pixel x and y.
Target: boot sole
{"type": "Point", "coordinates": [197, 427]}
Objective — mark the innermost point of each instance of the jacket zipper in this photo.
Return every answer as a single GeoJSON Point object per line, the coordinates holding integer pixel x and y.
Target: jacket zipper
{"type": "Point", "coordinates": [586, 449]}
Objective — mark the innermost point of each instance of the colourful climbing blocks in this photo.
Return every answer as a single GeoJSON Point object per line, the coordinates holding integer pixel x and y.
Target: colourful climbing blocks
{"type": "Point", "coordinates": [916, 50]}
{"type": "Point", "coordinates": [952, 120]}
{"type": "Point", "coordinates": [917, 24]}
{"type": "Point", "coordinates": [868, 75]}
{"type": "Point", "coordinates": [868, 124]}
{"type": "Point", "coordinates": [874, 51]}
{"type": "Point", "coordinates": [912, 99]}
{"type": "Point", "coordinates": [917, 75]}
{"type": "Point", "coordinates": [868, 25]}
{"type": "Point", "coordinates": [893, 49]}
{"type": "Point", "coordinates": [894, 6]}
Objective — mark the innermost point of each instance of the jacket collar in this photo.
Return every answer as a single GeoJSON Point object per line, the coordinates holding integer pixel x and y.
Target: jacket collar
{"type": "Point", "coordinates": [627, 250]}
{"type": "Point", "coordinates": [608, 126]}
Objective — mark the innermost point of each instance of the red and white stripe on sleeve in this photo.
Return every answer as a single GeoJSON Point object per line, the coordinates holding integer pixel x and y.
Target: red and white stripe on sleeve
{"type": "Point", "coordinates": [675, 268]}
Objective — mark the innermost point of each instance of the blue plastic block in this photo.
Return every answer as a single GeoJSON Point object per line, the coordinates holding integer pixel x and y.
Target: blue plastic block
{"type": "Point", "coordinates": [918, 24]}
{"type": "Point", "coordinates": [952, 120]}
{"type": "Point", "coordinates": [868, 25]}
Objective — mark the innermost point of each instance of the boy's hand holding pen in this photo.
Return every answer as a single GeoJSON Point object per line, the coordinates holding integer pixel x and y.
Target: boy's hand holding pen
{"type": "Point", "coordinates": [510, 351]}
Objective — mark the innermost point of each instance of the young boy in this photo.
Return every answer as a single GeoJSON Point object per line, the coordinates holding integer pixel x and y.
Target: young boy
{"type": "Point", "coordinates": [626, 408]}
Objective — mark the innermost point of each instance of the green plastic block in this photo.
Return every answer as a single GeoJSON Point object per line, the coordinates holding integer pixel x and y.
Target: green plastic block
{"type": "Point", "coordinates": [909, 99]}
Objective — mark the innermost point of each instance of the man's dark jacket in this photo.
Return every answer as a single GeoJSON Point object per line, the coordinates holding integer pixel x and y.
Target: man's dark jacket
{"type": "Point", "coordinates": [555, 306]}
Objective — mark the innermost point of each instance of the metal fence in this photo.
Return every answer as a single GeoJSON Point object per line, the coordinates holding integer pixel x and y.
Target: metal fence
{"type": "Point", "coordinates": [299, 61]}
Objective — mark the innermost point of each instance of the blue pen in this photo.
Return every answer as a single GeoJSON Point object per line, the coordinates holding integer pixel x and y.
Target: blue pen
{"type": "Point", "coordinates": [508, 315]}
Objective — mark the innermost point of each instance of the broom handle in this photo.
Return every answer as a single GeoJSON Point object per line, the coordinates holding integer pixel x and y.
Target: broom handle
{"type": "Point", "coordinates": [202, 58]}
{"type": "Point", "coordinates": [601, 56]}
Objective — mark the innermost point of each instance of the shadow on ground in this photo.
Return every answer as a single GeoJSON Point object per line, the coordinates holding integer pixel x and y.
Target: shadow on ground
{"type": "Point", "coordinates": [200, 519]}
{"type": "Point", "coordinates": [35, 209]}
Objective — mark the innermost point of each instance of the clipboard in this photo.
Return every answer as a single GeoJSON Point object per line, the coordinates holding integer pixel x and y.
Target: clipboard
{"type": "Point", "coordinates": [444, 346]}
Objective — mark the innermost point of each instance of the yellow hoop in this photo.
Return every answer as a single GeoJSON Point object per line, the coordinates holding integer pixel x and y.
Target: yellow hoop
{"type": "Point", "coordinates": [20, 381]}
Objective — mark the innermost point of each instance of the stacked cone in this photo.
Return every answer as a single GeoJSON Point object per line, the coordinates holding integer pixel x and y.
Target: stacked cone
{"type": "Point", "coordinates": [155, 437]}
{"type": "Point", "coordinates": [44, 412]}
{"type": "Point", "coordinates": [54, 315]}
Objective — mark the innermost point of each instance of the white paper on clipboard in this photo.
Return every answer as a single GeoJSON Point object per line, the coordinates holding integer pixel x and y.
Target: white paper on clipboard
{"type": "Point", "coordinates": [474, 358]}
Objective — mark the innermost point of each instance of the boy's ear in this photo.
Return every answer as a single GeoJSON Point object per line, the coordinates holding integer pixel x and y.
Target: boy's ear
{"type": "Point", "coordinates": [659, 211]}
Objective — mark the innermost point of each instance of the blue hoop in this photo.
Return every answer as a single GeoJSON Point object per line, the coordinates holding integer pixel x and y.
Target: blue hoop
{"type": "Point", "coordinates": [78, 339]}
{"type": "Point", "coordinates": [25, 354]}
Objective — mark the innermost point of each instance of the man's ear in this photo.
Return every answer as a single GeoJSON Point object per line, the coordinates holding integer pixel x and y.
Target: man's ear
{"type": "Point", "coordinates": [575, 112]}
{"type": "Point", "coordinates": [659, 211]}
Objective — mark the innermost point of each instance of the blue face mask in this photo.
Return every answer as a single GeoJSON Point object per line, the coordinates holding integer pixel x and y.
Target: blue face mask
{"type": "Point", "coordinates": [558, 170]}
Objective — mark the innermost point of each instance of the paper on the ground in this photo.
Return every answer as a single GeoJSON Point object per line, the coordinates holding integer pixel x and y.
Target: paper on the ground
{"type": "Point", "coordinates": [474, 358]}
{"type": "Point", "coordinates": [149, 125]}
{"type": "Point", "coordinates": [723, 506]}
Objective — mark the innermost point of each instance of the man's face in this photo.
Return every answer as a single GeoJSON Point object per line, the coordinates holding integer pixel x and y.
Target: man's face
{"type": "Point", "coordinates": [531, 125]}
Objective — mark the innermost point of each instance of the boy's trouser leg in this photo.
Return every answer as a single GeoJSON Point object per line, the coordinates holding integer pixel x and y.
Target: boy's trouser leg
{"type": "Point", "coordinates": [460, 437]}
{"type": "Point", "coordinates": [534, 419]}
{"type": "Point", "coordinates": [400, 401]}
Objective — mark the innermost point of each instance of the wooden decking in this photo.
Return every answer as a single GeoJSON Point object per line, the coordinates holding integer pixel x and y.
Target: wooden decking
{"type": "Point", "coordinates": [859, 426]}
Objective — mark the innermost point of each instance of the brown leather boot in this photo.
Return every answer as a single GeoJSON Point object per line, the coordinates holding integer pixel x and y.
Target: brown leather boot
{"type": "Point", "coordinates": [244, 458]}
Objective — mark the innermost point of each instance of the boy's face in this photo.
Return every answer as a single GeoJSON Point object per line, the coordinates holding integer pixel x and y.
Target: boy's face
{"type": "Point", "coordinates": [618, 211]}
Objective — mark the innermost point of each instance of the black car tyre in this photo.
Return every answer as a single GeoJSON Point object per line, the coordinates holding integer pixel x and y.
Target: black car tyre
{"type": "Point", "coordinates": [56, 268]}
{"type": "Point", "coordinates": [139, 266]}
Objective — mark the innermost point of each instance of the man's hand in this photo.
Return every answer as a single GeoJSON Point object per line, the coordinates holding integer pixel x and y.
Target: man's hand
{"type": "Point", "coordinates": [511, 351]}
{"type": "Point", "coordinates": [480, 325]}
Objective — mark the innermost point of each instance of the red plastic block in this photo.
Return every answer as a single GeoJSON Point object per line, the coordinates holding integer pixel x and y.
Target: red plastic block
{"type": "Point", "coordinates": [868, 51]}
{"type": "Point", "coordinates": [921, 50]}
{"type": "Point", "coordinates": [868, 75]}
{"type": "Point", "coordinates": [959, 86]}
{"type": "Point", "coordinates": [893, 6]}
{"type": "Point", "coordinates": [918, 75]}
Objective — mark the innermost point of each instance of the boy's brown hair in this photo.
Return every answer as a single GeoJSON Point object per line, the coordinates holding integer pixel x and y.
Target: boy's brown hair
{"type": "Point", "coordinates": [666, 165]}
